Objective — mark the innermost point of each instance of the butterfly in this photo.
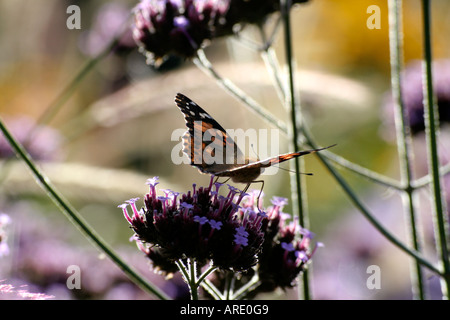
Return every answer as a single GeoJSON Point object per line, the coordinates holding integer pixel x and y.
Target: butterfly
{"type": "Point", "coordinates": [206, 140]}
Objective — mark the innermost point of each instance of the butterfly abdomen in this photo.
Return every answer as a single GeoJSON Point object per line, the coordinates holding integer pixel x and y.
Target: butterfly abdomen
{"type": "Point", "coordinates": [244, 175]}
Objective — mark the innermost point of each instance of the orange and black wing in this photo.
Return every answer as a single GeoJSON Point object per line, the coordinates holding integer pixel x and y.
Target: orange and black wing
{"type": "Point", "coordinates": [206, 142]}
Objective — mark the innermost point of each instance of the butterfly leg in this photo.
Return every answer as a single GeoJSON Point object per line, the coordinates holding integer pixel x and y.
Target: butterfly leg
{"type": "Point", "coordinates": [260, 192]}
{"type": "Point", "coordinates": [217, 179]}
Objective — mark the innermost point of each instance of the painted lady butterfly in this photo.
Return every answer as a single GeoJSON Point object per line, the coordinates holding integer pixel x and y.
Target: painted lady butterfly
{"type": "Point", "coordinates": [204, 148]}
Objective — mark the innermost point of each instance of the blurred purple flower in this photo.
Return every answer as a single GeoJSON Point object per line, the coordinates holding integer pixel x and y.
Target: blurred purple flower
{"type": "Point", "coordinates": [286, 250]}
{"type": "Point", "coordinates": [201, 225]}
{"type": "Point", "coordinates": [43, 252]}
{"type": "Point", "coordinates": [8, 291]}
{"type": "Point", "coordinates": [413, 95]}
{"type": "Point", "coordinates": [109, 22]}
{"type": "Point", "coordinates": [43, 145]}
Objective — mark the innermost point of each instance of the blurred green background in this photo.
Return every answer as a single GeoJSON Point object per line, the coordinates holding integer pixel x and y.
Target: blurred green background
{"type": "Point", "coordinates": [116, 128]}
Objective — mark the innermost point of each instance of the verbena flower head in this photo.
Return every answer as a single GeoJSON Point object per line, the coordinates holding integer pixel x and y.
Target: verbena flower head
{"type": "Point", "coordinates": [285, 254]}
{"type": "Point", "coordinates": [287, 248]}
{"type": "Point", "coordinates": [200, 224]}
{"type": "Point", "coordinates": [228, 231]}
{"type": "Point", "coordinates": [181, 27]}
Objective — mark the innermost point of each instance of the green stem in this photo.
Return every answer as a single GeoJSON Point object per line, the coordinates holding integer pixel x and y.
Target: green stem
{"type": "Point", "coordinates": [426, 180]}
{"type": "Point", "coordinates": [243, 291]}
{"type": "Point", "coordinates": [404, 138]}
{"type": "Point", "coordinates": [189, 274]}
{"type": "Point", "coordinates": [76, 218]}
{"type": "Point", "coordinates": [193, 278]}
{"type": "Point", "coordinates": [229, 286]}
{"type": "Point", "coordinates": [203, 64]}
{"type": "Point", "coordinates": [67, 92]}
{"type": "Point", "coordinates": [205, 274]}
{"type": "Point", "coordinates": [183, 269]}
{"type": "Point", "coordinates": [297, 188]}
{"type": "Point", "coordinates": [211, 288]}
{"type": "Point", "coordinates": [431, 131]}
{"type": "Point", "coordinates": [364, 172]}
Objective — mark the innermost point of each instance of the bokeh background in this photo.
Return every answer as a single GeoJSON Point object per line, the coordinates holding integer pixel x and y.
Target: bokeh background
{"type": "Point", "coordinates": [115, 130]}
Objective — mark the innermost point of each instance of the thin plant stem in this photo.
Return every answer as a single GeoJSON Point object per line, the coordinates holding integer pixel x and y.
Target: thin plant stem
{"type": "Point", "coordinates": [193, 286]}
{"type": "Point", "coordinates": [211, 288]}
{"type": "Point", "coordinates": [189, 274]}
{"type": "Point", "coordinates": [229, 286]}
{"type": "Point", "coordinates": [246, 288]}
{"type": "Point", "coordinates": [205, 274]}
{"type": "Point", "coordinates": [431, 132]}
{"type": "Point", "coordinates": [364, 172]}
{"type": "Point", "coordinates": [183, 270]}
{"type": "Point", "coordinates": [297, 188]}
{"type": "Point", "coordinates": [426, 180]}
{"type": "Point", "coordinates": [404, 139]}
{"type": "Point", "coordinates": [203, 64]}
{"type": "Point", "coordinates": [76, 218]}
{"type": "Point", "coordinates": [268, 56]}
{"type": "Point", "coordinates": [70, 88]}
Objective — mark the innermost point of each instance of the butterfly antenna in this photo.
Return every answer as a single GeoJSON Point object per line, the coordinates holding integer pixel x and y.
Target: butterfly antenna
{"type": "Point", "coordinates": [253, 149]}
{"type": "Point", "coordinates": [292, 171]}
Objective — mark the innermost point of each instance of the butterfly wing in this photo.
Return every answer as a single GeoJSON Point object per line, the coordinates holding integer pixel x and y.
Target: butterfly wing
{"type": "Point", "coordinates": [206, 142]}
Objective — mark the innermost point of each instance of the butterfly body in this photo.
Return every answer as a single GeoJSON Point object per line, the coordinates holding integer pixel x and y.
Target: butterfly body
{"type": "Point", "coordinates": [213, 151]}
{"type": "Point", "coordinates": [243, 174]}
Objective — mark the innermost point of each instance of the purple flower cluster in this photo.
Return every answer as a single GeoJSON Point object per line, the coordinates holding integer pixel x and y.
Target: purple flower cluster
{"type": "Point", "coordinates": [42, 254]}
{"type": "Point", "coordinates": [181, 27]}
{"type": "Point", "coordinates": [286, 249]}
{"type": "Point", "coordinates": [174, 26]}
{"type": "Point", "coordinates": [201, 225]}
{"type": "Point", "coordinates": [228, 231]}
{"type": "Point", "coordinates": [108, 23]}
